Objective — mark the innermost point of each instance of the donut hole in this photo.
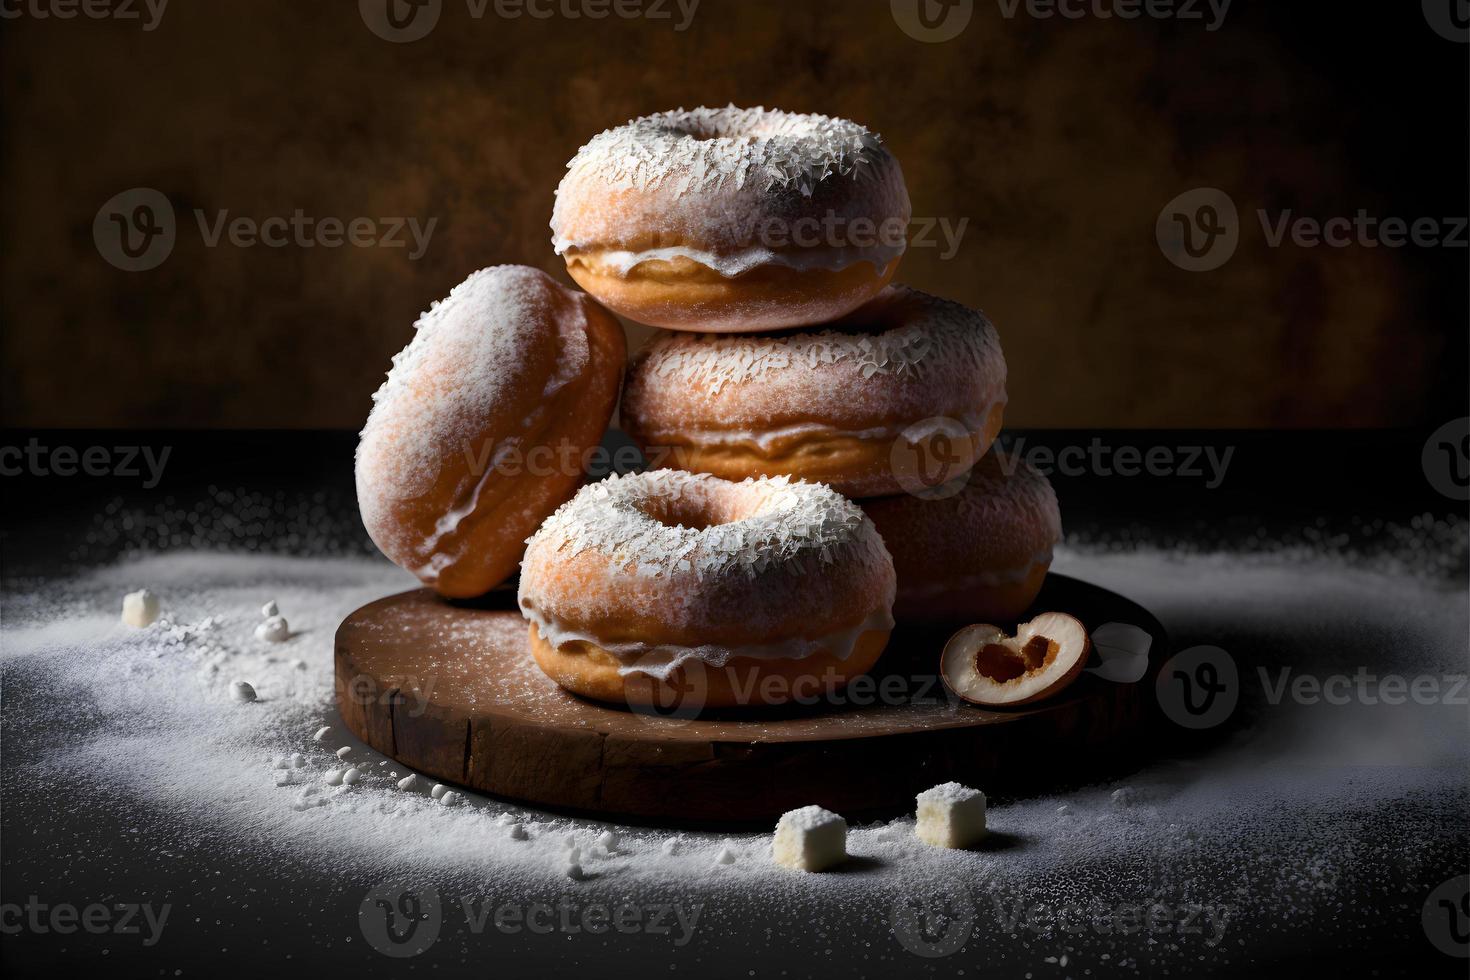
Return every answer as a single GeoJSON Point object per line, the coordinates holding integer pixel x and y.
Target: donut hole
{"type": "Point", "coordinates": [695, 512]}
{"type": "Point", "coordinates": [711, 128]}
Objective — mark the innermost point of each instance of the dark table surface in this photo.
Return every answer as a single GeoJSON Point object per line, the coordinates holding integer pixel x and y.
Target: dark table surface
{"type": "Point", "coordinates": [292, 492]}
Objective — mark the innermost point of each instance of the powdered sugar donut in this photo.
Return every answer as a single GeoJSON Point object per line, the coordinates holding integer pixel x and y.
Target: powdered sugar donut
{"type": "Point", "coordinates": [732, 220]}
{"type": "Point", "coordinates": [663, 586]}
{"type": "Point", "coordinates": [480, 430]}
{"type": "Point", "coordinates": [978, 556]}
{"type": "Point", "coordinates": [862, 405]}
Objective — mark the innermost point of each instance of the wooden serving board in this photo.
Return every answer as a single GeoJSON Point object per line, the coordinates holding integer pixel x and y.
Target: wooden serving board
{"type": "Point", "coordinates": [450, 690]}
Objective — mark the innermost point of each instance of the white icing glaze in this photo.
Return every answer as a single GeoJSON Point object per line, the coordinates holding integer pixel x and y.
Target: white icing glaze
{"type": "Point", "coordinates": [786, 437]}
{"type": "Point", "coordinates": [660, 659]}
{"type": "Point", "coordinates": [902, 358]}
{"type": "Point", "coordinates": [752, 257]}
{"type": "Point", "coordinates": [730, 188]}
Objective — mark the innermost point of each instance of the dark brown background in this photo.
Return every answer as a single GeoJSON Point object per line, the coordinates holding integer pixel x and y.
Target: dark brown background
{"type": "Point", "coordinates": [1060, 141]}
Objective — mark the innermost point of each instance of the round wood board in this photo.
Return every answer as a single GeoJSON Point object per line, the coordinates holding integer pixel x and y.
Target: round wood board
{"type": "Point", "coordinates": [450, 690]}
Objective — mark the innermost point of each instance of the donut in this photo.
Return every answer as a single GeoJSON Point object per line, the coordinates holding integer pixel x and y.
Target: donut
{"type": "Point", "coordinates": [480, 430]}
{"type": "Point", "coordinates": [665, 587]}
{"type": "Point", "coordinates": [977, 556]}
{"type": "Point", "coordinates": [732, 220]}
{"type": "Point", "coordinates": [906, 392]}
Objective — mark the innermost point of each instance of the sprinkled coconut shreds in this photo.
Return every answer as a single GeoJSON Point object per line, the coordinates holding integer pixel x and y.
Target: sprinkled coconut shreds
{"type": "Point", "coordinates": [795, 522]}
{"type": "Point", "coordinates": [704, 149]}
{"type": "Point", "coordinates": [947, 335]}
{"type": "Point", "coordinates": [911, 357]}
{"type": "Point", "coordinates": [719, 185]}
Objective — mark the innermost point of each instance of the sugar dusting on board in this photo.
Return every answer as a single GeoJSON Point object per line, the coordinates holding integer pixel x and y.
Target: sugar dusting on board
{"type": "Point", "coordinates": [1297, 809]}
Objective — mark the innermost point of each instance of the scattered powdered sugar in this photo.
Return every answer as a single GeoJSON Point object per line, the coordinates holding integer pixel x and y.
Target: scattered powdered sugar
{"type": "Point", "coordinates": [903, 357]}
{"type": "Point", "coordinates": [1287, 818]}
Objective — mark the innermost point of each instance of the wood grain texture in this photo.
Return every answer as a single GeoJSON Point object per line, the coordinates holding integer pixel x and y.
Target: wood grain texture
{"type": "Point", "coordinates": [450, 690]}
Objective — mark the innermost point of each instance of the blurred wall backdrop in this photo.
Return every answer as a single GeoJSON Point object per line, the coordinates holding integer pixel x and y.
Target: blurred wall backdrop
{"type": "Point", "coordinates": [1040, 151]}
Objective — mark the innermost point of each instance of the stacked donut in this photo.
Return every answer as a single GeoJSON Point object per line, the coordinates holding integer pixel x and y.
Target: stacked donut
{"type": "Point", "coordinates": [765, 240]}
{"type": "Point", "coordinates": [790, 376]}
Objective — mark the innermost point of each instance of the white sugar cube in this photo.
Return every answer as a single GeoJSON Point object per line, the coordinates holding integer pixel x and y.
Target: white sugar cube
{"type": "Point", "coordinates": [274, 630]}
{"type": "Point", "coordinates": [140, 609]}
{"type": "Point", "coordinates": [810, 839]}
{"type": "Point", "coordinates": [951, 815]}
